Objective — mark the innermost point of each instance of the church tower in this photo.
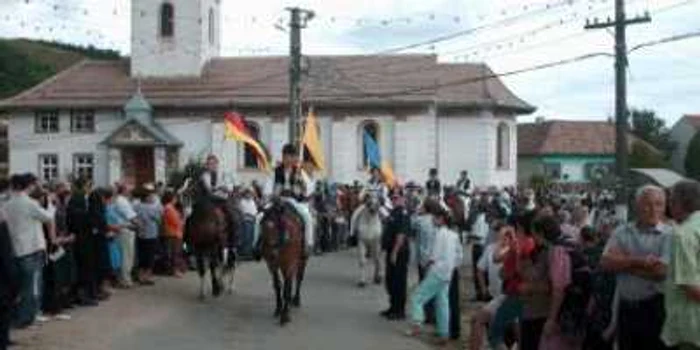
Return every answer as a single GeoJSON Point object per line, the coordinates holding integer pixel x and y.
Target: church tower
{"type": "Point", "coordinates": [174, 38]}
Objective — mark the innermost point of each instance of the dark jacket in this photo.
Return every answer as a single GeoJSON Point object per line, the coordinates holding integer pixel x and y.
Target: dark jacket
{"type": "Point", "coordinates": [77, 215]}
{"type": "Point", "coordinates": [8, 283]}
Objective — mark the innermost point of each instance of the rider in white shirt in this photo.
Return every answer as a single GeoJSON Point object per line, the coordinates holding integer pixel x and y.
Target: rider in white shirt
{"type": "Point", "coordinates": [375, 186]}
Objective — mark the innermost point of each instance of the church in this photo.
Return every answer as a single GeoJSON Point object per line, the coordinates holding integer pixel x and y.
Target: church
{"type": "Point", "coordinates": [141, 118]}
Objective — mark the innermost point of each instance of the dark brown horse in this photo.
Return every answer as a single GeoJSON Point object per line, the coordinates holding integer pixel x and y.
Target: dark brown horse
{"type": "Point", "coordinates": [212, 235]}
{"type": "Point", "coordinates": [285, 259]}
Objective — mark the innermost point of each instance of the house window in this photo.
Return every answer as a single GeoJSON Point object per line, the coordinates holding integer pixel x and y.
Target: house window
{"type": "Point", "coordinates": [46, 122]}
{"type": "Point", "coordinates": [250, 159]}
{"type": "Point", "coordinates": [212, 27]}
{"type": "Point", "coordinates": [552, 171]}
{"type": "Point", "coordinates": [503, 146]}
{"type": "Point", "coordinates": [48, 167]}
{"type": "Point", "coordinates": [370, 128]}
{"type": "Point", "coordinates": [83, 166]}
{"type": "Point", "coordinates": [82, 120]}
{"type": "Point", "coordinates": [167, 20]}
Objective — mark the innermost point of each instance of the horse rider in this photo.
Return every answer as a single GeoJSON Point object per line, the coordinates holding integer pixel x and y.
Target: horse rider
{"type": "Point", "coordinates": [208, 181]}
{"type": "Point", "coordinates": [433, 186]}
{"type": "Point", "coordinates": [464, 183]}
{"type": "Point", "coordinates": [291, 185]}
{"type": "Point", "coordinates": [375, 186]}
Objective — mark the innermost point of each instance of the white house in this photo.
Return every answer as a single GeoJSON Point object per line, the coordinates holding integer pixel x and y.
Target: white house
{"type": "Point", "coordinates": [682, 133]}
{"type": "Point", "coordinates": [143, 117]}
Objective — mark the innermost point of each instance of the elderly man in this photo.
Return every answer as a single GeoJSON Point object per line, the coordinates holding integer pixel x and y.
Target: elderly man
{"type": "Point", "coordinates": [682, 326]}
{"type": "Point", "coordinates": [639, 254]}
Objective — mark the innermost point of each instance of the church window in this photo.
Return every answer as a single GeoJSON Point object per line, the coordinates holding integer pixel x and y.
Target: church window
{"type": "Point", "coordinates": [503, 146]}
{"type": "Point", "coordinates": [212, 27]}
{"type": "Point", "coordinates": [48, 167]}
{"type": "Point", "coordinates": [370, 128]}
{"type": "Point", "coordinates": [83, 165]}
{"type": "Point", "coordinates": [250, 160]}
{"type": "Point", "coordinates": [167, 20]}
{"type": "Point", "coordinates": [46, 122]}
{"type": "Point", "coordinates": [82, 120]}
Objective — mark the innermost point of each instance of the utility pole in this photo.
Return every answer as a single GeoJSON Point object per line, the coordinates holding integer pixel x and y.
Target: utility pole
{"type": "Point", "coordinates": [299, 19]}
{"type": "Point", "coordinates": [621, 111]}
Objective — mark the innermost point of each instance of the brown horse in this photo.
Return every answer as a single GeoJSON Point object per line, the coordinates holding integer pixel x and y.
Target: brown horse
{"type": "Point", "coordinates": [285, 260]}
{"type": "Point", "coordinates": [211, 233]}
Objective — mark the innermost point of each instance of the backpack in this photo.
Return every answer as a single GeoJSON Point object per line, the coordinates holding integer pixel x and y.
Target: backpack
{"type": "Point", "coordinates": [572, 314]}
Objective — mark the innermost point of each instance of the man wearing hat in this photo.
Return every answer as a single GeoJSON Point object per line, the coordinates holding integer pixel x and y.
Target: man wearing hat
{"type": "Point", "coordinates": [209, 180]}
{"type": "Point", "coordinates": [291, 185]}
{"type": "Point", "coordinates": [433, 186]}
{"type": "Point", "coordinates": [395, 243]}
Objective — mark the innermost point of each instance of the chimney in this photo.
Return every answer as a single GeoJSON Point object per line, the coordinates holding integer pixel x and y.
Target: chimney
{"type": "Point", "coordinates": [539, 120]}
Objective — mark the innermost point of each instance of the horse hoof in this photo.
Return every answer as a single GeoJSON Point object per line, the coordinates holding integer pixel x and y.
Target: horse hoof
{"type": "Point", "coordinates": [201, 298]}
{"type": "Point", "coordinates": [284, 320]}
{"type": "Point", "coordinates": [278, 312]}
{"type": "Point", "coordinates": [296, 302]}
{"type": "Point", "coordinates": [377, 280]}
{"type": "Point", "coordinates": [361, 284]}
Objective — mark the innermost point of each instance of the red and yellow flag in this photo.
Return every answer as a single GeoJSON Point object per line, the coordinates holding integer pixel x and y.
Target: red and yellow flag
{"type": "Point", "coordinates": [235, 128]}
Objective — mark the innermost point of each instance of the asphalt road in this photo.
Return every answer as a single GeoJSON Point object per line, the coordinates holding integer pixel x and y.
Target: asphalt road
{"type": "Point", "coordinates": [335, 314]}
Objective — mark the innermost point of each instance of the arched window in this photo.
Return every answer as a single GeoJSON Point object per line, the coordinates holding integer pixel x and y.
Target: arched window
{"type": "Point", "coordinates": [503, 146]}
{"type": "Point", "coordinates": [250, 160]}
{"type": "Point", "coordinates": [212, 27]}
{"type": "Point", "coordinates": [167, 20]}
{"type": "Point", "coordinates": [370, 128]}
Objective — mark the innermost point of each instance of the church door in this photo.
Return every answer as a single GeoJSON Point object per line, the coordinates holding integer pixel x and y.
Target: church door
{"type": "Point", "coordinates": [138, 165]}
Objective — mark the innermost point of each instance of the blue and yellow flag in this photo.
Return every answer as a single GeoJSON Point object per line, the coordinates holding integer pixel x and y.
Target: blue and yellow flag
{"type": "Point", "coordinates": [374, 159]}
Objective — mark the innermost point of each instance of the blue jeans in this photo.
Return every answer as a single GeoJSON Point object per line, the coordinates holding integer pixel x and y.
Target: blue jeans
{"type": "Point", "coordinates": [432, 287]}
{"type": "Point", "coordinates": [29, 271]}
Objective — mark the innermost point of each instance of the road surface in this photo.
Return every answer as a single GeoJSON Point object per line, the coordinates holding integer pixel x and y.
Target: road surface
{"type": "Point", "coordinates": [335, 315]}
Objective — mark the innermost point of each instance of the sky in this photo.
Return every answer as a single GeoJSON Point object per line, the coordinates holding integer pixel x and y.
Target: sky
{"type": "Point", "coordinates": [509, 35]}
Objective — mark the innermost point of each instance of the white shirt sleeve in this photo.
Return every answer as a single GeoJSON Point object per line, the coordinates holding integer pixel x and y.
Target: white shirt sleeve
{"type": "Point", "coordinates": [41, 214]}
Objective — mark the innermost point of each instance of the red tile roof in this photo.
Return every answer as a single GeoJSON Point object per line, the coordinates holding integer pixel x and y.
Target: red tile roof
{"type": "Point", "coordinates": [559, 137]}
{"type": "Point", "coordinates": [693, 119]}
{"type": "Point", "coordinates": [251, 81]}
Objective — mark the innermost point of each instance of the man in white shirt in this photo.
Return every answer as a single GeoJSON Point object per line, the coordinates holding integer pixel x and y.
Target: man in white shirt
{"type": "Point", "coordinates": [479, 233]}
{"type": "Point", "coordinates": [127, 236]}
{"type": "Point", "coordinates": [249, 209]}
{"type": "Point", "coordinates": [446, 257]}
{"type": "Point", "coordinates": [25, 220]}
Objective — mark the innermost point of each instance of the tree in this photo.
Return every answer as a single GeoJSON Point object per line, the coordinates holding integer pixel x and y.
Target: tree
{"type": "Point", "coordinates": [692, 158]}
{"type": "Point", "coordinates": [652, 129]}
{"type": "Point", "coordinates": [642, 155]}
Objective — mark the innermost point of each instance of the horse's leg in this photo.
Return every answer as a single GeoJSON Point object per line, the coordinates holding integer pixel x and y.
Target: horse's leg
{"type": "Point", "coordinates": [362, 256]}
{"type": "Point", "coordinates": [278, 291]}
{"type": "Point", "coordinates": [296, 302]}
{"type": "Point", "coordinates": [201, 271]}
{"type": "Point", "coordinates": [215, 268]}
{"type": "Point", "coordinates": [230, 269]}
{"type": "Point", "coordinates": [287, 299]}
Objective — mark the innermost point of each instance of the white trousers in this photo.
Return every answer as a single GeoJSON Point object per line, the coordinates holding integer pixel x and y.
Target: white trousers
{"type": "Point", "coordinates": [127, 240]}
{"type": "Point", "coordinates": [304, 212]}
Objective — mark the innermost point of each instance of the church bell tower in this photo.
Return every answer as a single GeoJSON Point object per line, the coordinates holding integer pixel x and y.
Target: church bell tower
{"type": "Point", "coordinates": [174, 38]}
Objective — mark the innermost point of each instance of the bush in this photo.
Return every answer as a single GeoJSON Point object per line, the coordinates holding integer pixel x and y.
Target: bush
{"type": "Point", "coordinates": [692, 158]}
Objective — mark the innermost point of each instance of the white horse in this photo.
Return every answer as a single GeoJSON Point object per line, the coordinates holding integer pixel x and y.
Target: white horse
{"type": "Point", "coordinates": [369, 233]}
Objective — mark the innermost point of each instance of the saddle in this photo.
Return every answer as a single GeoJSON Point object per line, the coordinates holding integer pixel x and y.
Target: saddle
{"type": "Point", "coordinates": [278, 209]}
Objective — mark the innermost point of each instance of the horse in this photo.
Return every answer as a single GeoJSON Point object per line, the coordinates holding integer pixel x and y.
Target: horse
{"type": "Point", "coordinates": [211, 233]}
{"type": "Point", "coordinates": [369, 233]}
{"type": "Point", "coordinates": [285, 260]}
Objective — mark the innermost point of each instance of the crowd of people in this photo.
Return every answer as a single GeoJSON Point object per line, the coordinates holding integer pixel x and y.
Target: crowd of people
{"type": "Point", "coordinates": [66, 246]}
{"type": "Point", "coordinates": [552, 271]}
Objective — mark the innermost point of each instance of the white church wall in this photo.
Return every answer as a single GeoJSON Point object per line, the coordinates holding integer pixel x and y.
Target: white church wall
{"type": "Point", "coordinates": [414, 151]}
{"type": "Point", "coordinates": [506, 176]}
{"type": "Point", "coordinates": [467, 142]}
{"type": "Point", "coordinates": [25, 145]}
{"type": "Point", "coordinates": [195, 134]}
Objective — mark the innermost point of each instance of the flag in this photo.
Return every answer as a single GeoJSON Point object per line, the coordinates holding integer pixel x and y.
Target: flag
{"type": "Point", "coordinates": [235, 128]}
{"type": "Point", "coordinates": [311, 143]}
{"type": "Point", "coordinates": [374, 159]}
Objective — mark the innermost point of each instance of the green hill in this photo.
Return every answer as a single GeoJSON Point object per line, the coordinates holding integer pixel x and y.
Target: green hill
{"type": "Point", "coordinates": [25, 63]}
